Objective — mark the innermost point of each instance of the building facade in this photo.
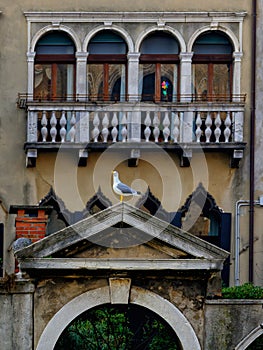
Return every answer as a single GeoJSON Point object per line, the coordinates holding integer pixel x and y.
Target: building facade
{"type": "Point", "coordinates": [164, 93]}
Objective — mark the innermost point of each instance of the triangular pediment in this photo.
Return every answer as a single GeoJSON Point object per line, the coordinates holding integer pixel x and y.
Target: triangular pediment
{"type": "Point", "coordinates": [123, 233]}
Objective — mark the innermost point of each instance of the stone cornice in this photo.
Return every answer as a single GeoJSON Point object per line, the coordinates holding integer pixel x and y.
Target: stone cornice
{"type": "Point", "coordinates": [121, 264]}
{"type": "Point", "coordinates": [150, 17]}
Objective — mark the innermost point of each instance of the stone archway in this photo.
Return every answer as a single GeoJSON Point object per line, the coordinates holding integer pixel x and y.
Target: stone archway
{"type": "Point", "coordinates": [250, 338]}
{"type": "Point", "coordinates": [111, 294]}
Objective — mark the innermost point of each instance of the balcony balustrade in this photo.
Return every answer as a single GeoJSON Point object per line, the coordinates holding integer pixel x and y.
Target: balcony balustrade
{"type": "Point", "coordinates": [175, 126]}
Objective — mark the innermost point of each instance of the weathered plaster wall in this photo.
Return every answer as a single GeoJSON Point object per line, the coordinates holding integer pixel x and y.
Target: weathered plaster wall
{"type": "Point", "coordinates": [227, 322]}
{"type": "Point", "coordinates": [16, 331]}
{"type": "Point", "coordinates": [26, 186]}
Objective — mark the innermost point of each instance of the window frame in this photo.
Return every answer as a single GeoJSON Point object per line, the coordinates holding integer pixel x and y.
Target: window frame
{"type": "Point", "coordinates": [159, 59]}
{"type": "Point", "coordinates": [106, 60]}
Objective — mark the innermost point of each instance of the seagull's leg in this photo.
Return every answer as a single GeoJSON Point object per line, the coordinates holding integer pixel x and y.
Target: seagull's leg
{"type": "Point", "coordinates": [121, 198]}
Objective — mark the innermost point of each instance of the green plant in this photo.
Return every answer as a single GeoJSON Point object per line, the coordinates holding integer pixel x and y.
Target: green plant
{"type": "Point", "coordinates": [246, 291]}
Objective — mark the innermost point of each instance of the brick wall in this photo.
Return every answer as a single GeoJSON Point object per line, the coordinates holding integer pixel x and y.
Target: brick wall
{"type": "Point", "coordinates": [33, 227]}
{"type": "Point", "coordinates": [31, 221]}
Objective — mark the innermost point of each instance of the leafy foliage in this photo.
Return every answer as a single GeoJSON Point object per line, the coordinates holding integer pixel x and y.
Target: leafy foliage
{"type": "Point", "coordinates": [121, 327]}
{"type": "Point", "coordinates": [246, 291]}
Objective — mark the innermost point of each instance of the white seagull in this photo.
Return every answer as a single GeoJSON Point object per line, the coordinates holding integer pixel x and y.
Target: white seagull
{"type": "Point", "coordinates": [121, 189]}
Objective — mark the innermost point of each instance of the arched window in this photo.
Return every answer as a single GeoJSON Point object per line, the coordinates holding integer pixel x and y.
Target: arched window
{"type": "Point", "coordinates": [54, 71]}
{"type": "Point", "coordinates": [201, 216]}
{"type": "Point", "coordinates": [107, 67]}
{"type": "Point", "coordinates": [212, 67]}
{"type": "Point", "coordinates": [159, 68]}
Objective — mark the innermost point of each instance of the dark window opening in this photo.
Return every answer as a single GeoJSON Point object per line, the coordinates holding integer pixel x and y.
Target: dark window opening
{"type": "Point", "coordinates": [212, 67]}
{"type": "Point", "coordinates": [158, 71]}
{"type": "Point", "coordinates": [107, 68]}
{"type": "Point", "coordinates": [54, 72]}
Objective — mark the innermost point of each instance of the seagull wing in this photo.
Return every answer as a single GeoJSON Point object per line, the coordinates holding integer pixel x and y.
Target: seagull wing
{"type": "Point", "coordinates": [124, 188]}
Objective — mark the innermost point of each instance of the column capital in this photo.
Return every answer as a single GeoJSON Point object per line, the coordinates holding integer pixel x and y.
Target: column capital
{"type": "Point", "coordinates": [133, 56]}
{"type": "Point", "coordinates": [237, 55]}
{"type": "Point", "coordinates": [30, 56]}
{"type": "Point", "coordinates": [186, 56]}
{"type": "Point", "coordinates": [81, 56]}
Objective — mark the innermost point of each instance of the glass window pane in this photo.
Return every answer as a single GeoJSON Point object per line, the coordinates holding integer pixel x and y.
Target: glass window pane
{"type": "Point", "coordinates": [64, 80]}
{"type": "Point", "coordinates": [221, 79]}
{"type": "Point", "coordinates": [42, 81]}
{"type": "Point", "coordinates": [159, 43]}
{"type": "Point", "coordinates": [55, 43]}
{"type": "Point", "coordinates": [95, 81]}
{"type": "Point", "coordinates": [168, 82]}
{"type": "Point", "coordinates": [107, 42]}
{"type": "Point", "coordinates": [212, 43]}
{"type": "Point", "coordinates": [53, 81]}
{"type": "Point", "coordinates": [116, 84]}
{"type": "Point", "coordinates": [147, 73]}
{"type": "Point", "coordinates": [107, 48]}
{"type": "Point", "coordinates": [200, 80]}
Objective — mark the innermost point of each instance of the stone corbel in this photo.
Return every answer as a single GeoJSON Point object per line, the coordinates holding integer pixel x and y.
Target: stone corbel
{"type": "Point", "coordinates": [31, 157]}
{"type": "Point", "coordinates": [186, 157]}
{"type": "Point", "coordinates": [236, 157]}
{"type": "Point", "coordinates": [83, 157]}
{"type": "Point", "coordinates": [133, 161]}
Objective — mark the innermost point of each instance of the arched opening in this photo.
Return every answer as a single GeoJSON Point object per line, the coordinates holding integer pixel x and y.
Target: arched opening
{"type": "Point", "coordinates": [54, 70]}
{"type": "Point", "coordinates": [212, 67]}
{"type": "Point", "coordinates": [107, 68]}
{"type": "Point", "coordinates": [257, 344]}
{"type": "Point", "coordinates": [159, 68]}
{"type": "Point", "coordinates": [201, 216]}
{"type": "Point", "coordinates": [101, 296]}
{"type": "Point", "coordinates": [118, 327]}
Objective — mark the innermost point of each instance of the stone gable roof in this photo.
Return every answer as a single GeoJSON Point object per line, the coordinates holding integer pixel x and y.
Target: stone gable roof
{"type": "Point", "coordinates": [129, 227]}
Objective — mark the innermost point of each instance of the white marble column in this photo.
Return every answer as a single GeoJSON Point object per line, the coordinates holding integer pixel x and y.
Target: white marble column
{"type": "Point", "coordinates": [133, 76]}
{"type": "Point", "coordinates": [81, 75]}
{"type": "Point", "coordinates": [30, 75]}
{"type": "Point", "coordinates": [186, 76]}
{"type": "Point", "coordinates": [237, 73]}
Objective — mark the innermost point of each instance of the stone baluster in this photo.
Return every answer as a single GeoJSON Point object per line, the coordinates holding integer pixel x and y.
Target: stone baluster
{"type": "Point", "coordinates": [96, 123]}
{"type": "Point", "coordinates": [208, 124]}
{"type": "Point", "coordinates": [63, 123]}
{"type": "Point", "coordinates": [147, 122]}
{"type": "Point", "coordinates": [72, 131]}
{"type": "Point", "coordinates": [114, 123]}
{"type": "Point", "coordinates": [166, 124]}
{"type": "Point", "coordinates": [198, 123]}
{"type": "Point", "coordinates": [53, 123]}
{"type": "Point", "coordinates": [105, 129]}
{"type": "Point", "coordinates": [227, 131]}
{"type": "Point", "coordinates": [44, 126]}
{"type": "Point", "coordinates": [217, 129]}
{"type": "Point", "coordinates": [176, 127]}
{"type": "Point", "coordinates": [124, 131]}
{"type": "Point", "coordinates": [156, 124]}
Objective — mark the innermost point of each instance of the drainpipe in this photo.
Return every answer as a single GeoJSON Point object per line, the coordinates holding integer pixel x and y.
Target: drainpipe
{"type": "Point", "coordinates": [239, 204]}
{"type": "Point", "coordinates": [252, 143]}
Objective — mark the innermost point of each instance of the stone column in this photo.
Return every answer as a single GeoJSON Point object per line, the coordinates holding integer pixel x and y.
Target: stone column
{"type": "Point", "coordinates": [30, 75]}
{"type": "Point", "coordinates": [237, 74]}
{"type": "Point", "coordinates": [133, 76]}
{"type": "Point", "coordinates": [81, 75]}
{"type": "Point", "coordinates": [186, 76]}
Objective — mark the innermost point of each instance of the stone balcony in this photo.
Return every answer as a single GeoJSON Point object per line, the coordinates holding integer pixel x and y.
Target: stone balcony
{"type": "Point", "coordinates": [214, 125]}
